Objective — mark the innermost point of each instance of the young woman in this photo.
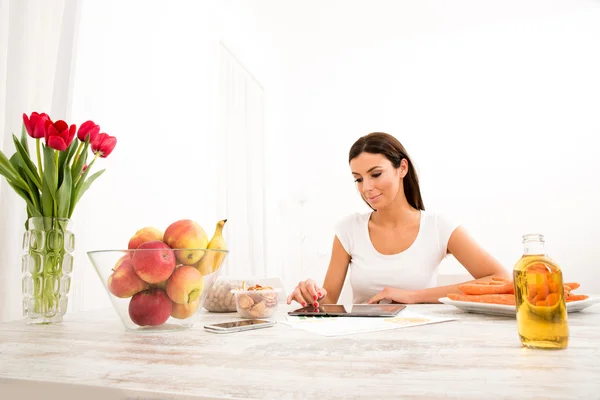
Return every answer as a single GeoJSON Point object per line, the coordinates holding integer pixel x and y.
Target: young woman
{"type": "Point", "coordinates": [393, 251]}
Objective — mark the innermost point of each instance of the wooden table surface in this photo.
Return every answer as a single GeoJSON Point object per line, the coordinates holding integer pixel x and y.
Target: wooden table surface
{"type": "Point", "coordinates": [91, 356]}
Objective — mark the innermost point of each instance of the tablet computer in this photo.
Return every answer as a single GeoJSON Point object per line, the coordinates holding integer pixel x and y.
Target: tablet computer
{"type": "Point", "coordinates": [355, 310]}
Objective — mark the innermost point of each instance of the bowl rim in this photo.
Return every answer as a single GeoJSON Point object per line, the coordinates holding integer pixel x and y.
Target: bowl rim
{"type": "Point", "coordinates": [237, 291]}
{"type": "Point", "coordinates": [134, 250]}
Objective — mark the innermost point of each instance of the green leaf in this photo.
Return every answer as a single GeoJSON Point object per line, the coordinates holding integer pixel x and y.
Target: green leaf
{"type": "Point", "coordinates": [33, 212]}
{"type": "Point", "coordinates": [23, 194]}
{"type": "Point", "coordinates": [6, 167]}
{"type": "Point", "coordinates": [6, 173]}
{"type": "Point", "coordinates": [21, 178]}
{"type": "Point", "coordinates": [78, 165]}
{"type": "Point", "coordinates": [63, 196]}
{"type": "Point", "coordinates": [10, 173]}
{"type": "Point", "coordinates": [24, 141]}
{"type": "Point", "coordinates": [50, 170]}
{"type": "Point", "coordinates": [71, 152]}
{"type": "Point", "coordinates": [15, 161]}
{"type": "Point", "coordinates": [84, 175]}
{"type": "Point", "coordinates": [13, 179]}
{"type": "Point", "coordinates": [5, 163]}
{"type": "Point", "coordinates": [35, 195]}
{"type": "Point", "coordinates": [47, 199]}
{"type": "Point", "coordinates": [27, 164]}
{"type": "Point", "coordinates": [64, 158]}
{"type": "Point", "coordinates": [82, 187]}
{"type": "Point", "coordinates": [78, 183]}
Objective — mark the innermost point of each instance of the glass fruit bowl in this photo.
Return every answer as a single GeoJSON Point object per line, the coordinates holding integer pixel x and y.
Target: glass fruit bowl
{"type": "Point", "coordinates": [151, 290]}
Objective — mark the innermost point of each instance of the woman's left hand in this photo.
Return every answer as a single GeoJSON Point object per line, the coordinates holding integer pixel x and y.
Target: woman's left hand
{"type": "Point", "coordinates": [394, 295]}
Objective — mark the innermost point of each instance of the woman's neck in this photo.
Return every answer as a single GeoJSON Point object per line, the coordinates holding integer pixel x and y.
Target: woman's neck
{"type": "Point", "coordinates": [395, 214]}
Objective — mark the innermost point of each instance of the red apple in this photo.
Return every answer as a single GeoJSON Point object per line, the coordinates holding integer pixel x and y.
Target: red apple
{"type": "Point", "coordinates": [186, 234]}
{"type": "Point", "coordinates": [160, 285]}
{"type": "Point", "coordinates": [183, 311]}
{"type": "Point", "coordinates": [147, 234]}
{"type": "Point", "coordinates": [153, 261]}
{"type": "Point", "coordinates": [150, 308]}
{"type": "Point", "coordinates": [125, 256]}
{"type": "Point", "coordinates": [185, 285]}
{"type": "Point", "coordinates": [124, 282]}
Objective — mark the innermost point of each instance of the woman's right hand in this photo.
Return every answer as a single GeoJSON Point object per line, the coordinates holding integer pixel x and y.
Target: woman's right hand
{"type": "Point", "coordinates": [307, 293]}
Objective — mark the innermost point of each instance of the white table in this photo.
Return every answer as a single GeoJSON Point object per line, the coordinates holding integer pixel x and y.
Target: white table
{"type": "Point", "coordinates": [476, 357]}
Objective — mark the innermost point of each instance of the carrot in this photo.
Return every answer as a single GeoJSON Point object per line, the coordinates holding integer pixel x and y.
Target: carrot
{"type": "Point", "coordinates": [553, 286]}
{"type": "Point", "coordinates": [539, 268]}
{"type": "Point", "coordinates": [470, 288]}
{"type": "Point", "coordinates": [542, 290]}
{"type": "Point", "coordinates": [572, 285]}
{"type": "Point", "coordinates": [539, 298]}
{"type": "Point", "coordinates": [505, 299]}
{"type": "Point", "coordinates": [552, 299]}
{"type": "Point", "coordinates": [577, 297]}
{"type": "Point", "coordinates": [531, 291]}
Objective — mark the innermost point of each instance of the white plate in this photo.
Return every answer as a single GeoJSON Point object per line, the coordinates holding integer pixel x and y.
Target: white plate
{"type": "Point", "coordinates": [499, 309]}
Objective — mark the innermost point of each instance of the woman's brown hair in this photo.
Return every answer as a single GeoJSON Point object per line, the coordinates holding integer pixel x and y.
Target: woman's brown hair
{"type": "Point", "coordinates": [392, 149]}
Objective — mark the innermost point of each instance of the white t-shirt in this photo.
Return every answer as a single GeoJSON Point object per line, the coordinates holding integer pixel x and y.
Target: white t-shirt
{"type": "Point", "coordinates": [413, 269]}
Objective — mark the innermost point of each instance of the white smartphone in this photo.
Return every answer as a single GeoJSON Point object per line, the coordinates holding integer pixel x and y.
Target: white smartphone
{"type": "Point", "coordinates": [238, 326]}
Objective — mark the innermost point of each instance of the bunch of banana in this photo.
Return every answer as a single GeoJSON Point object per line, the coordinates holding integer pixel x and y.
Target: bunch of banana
{"type": "Point", "coordinates": [212, 260]}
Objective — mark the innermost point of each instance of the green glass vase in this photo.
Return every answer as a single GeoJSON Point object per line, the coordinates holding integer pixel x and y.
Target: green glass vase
{"type": "Point", "coordinates": [47, 263]}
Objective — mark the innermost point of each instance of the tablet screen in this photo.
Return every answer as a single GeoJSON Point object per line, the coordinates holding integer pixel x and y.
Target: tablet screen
{"type": "Point", "coordinates": [334, 308]}
{"type": "Point", "coordinates": [376, 308]}
{"type": "Point", "coordinates": [368, 310]}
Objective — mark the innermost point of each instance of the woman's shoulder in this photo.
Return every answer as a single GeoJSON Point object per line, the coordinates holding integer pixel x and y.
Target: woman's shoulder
{"type": "Point", "coordinates": [352, 220]}
{"type": "Point", "coordinates": [439, 218]}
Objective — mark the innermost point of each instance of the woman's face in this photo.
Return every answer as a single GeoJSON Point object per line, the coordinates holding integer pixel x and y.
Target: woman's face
{"type": "Point", "coordinates": [376, 178]}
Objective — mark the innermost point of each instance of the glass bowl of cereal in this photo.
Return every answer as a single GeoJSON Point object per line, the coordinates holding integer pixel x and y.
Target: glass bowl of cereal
{"type": "Point", "coordinates": [256, 301]}
{"type": "Point", "coordinates": [220, 299]}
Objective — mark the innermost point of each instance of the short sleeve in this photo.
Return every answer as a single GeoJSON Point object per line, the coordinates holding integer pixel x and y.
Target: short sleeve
{"type": "Point", "coordinates": [445, 227]}
{"type": "Point", "coordinates": [344, 230]}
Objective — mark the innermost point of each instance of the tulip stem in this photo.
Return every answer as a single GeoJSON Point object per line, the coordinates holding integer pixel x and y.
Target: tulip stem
{"type": "Point", "coordinates": [88, 167]}
{"type": "Point", "coordinates": [39, 157]}
{"type": "Point", "coordinates": [78, 152]}
{"type": "Point", "coordinates": [56, 164]}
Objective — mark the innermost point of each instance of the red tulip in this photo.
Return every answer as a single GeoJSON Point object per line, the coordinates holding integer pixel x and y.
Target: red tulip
{"type": "Point", "coordinates": [88, 128]}
{"type": "Point", "coordinates": [60, 135]}
{"type": "Point", "coordinates": [104, 144]}
{"type": "Point", "coordinates": [36, 124]}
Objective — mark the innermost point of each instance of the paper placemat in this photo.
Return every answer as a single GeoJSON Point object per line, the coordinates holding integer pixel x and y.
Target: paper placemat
{"type": "Point", "coordinates": [338, 326]}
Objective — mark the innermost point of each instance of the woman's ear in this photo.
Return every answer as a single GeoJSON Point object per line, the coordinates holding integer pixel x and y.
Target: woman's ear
{"type": "Point", "coordinates": [403, 168]}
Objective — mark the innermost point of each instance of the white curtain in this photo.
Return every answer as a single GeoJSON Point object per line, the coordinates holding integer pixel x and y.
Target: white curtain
{"type": "Point", "coordinates": [241, 194]}
{"type": "Point", "coordinates": [37, 46]}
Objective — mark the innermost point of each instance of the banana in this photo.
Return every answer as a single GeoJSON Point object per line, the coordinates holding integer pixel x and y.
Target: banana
{"type": "Point", "coordinates": [212, 260]}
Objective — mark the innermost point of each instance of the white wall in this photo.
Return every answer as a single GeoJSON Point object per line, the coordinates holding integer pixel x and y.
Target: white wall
{"type": "Point", "coordinates": [147, 72]}
{"type": "Point", "coordinates": [30, 31]}
{"type": "Point", "coordinates": [495, 101]}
